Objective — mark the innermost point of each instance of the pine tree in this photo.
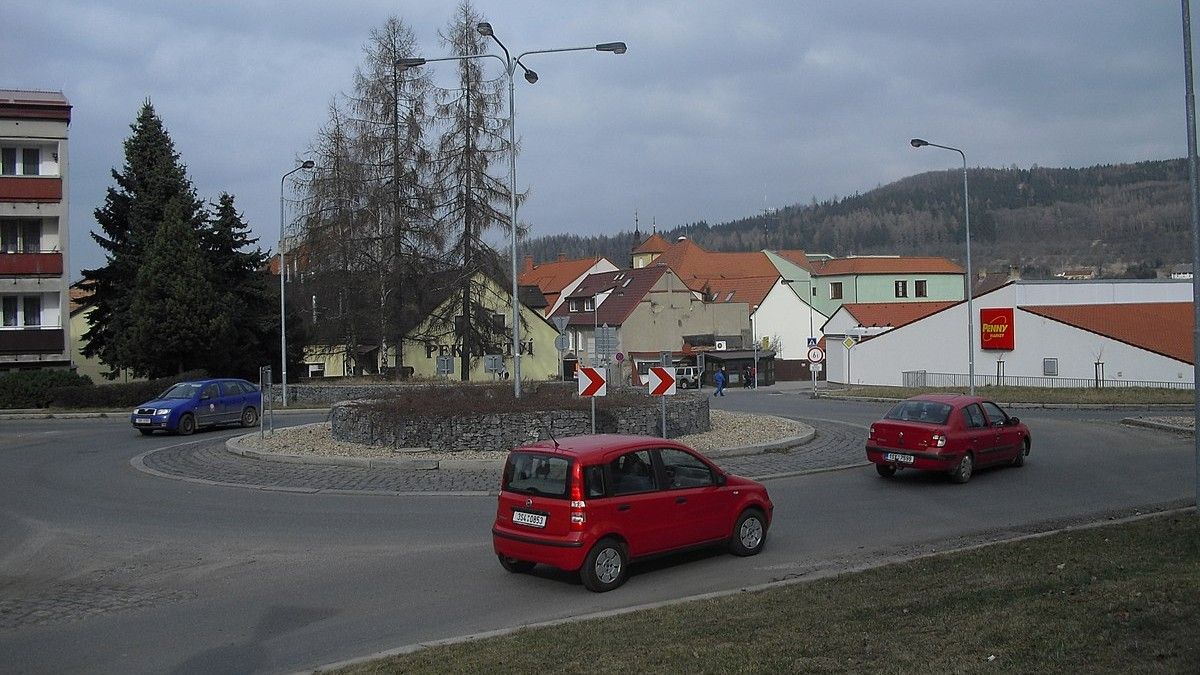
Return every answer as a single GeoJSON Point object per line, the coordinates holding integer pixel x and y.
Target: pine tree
{"type": "Point", "coordinates": [130, 218]}
{"type": "Point", "coordinates": [173, 306]}
{"type": "Point", "coordinates": [246, 317]}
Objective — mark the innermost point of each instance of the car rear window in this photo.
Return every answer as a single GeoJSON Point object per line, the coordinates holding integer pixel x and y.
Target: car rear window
{"type": "Point", "coordinates": [929, 412]}
{"type": "Point", "coordinates": [537, 474]}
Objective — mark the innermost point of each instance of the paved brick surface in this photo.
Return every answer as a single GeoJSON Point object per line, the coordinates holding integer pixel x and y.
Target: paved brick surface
{"type": "Point", "coordinates": [72, 602]}
{"type": "Point", "coordinates": [834, 445]}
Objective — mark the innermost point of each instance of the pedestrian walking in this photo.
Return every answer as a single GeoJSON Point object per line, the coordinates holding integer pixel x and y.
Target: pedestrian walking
{"type": "Point", "coordinates": [719, 379]}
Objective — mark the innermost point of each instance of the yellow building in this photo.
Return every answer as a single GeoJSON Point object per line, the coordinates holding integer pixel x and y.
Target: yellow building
{"type": "Point", "coordinates": [435, 337]}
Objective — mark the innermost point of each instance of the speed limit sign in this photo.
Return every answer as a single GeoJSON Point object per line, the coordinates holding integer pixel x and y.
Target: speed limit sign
{"type": "Point", "coordinates": [816, 355]}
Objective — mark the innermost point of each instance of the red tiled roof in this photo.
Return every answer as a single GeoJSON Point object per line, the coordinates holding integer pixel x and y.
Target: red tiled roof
{"type": "Point", "coordinates": [553, 277]}
{"type": "Point", "coordinates": [1164, 328]}
{"type": "Point", "coordinates": [697, 266]}
{"type": "Point", "coordinates": [751, 290]}
{"type": "Point", "coordinates": [653, 244]}
{"type": "Point", "coordinates": [629, 288]}
{"type": "Point", "coordinates": [894, 314]}
{"type": "Point", "coordinates": [885, 265]}
{"type": "Point", "coordinates": [796, 257]}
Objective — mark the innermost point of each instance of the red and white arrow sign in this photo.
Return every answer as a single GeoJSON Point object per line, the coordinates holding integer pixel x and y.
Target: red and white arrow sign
{"type": "Point", "coordinates": [592, 382]}
{"type": "Point", "coordinates": [662, 381]}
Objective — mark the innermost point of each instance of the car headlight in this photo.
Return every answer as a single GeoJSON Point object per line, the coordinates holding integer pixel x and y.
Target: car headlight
{"type": "Point", "coordinates": [163, 411]}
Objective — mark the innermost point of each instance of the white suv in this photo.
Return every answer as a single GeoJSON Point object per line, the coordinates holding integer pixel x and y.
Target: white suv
{"type": "Point", "coordinates": [687, 377]}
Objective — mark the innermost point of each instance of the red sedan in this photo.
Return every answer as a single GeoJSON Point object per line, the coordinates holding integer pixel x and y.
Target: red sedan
{"type": "Point", "coordinates": [951, 433]}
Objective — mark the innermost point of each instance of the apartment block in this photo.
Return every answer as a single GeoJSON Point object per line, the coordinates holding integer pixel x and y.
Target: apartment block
{"type": "Point", "coordinates": [34, 268]}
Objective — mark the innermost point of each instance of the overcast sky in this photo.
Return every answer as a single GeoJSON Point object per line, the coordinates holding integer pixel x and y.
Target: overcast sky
{"type": "Point", "coordinates": [718, 110]}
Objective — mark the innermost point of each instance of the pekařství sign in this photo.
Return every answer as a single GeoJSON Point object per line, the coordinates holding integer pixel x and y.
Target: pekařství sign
{"type": "Point", "coordinates": [996, 329]}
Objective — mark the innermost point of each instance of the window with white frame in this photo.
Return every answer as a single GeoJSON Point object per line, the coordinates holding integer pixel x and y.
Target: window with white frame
{"type": "Point", "coordinates": [18, 311]}
{"type": "Point", "coordinates": [1050, 367]}
{"type": "Point", "coordinates": [20, 161]}
{"type": "Point", "coordinates": [582, 304]}
{"type": "Point", "coordinates": [901, 289]}
{"type": "Point", "coordinates": [921, 288]}
{"type": "Point", "coordinates": [20, 235]}
{"type": "Point", "coordinates": [835, 290]}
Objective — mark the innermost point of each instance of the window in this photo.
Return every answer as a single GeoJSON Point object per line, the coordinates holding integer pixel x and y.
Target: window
{"type": "Point", "coordinates": [835, 290]}
{"type": "Point", "coordinates": [210, 391]}
{"type": "Point", "coordinates": [593, 481]}
{"type": "Point", "coordinates": [230, 388]}
{"type": "Point", "coordinates": [632, 472]}
{"type": "Point", "coordinates": [997, 416]}
{"type": "Point", "coordinates": [683, 470]}
{"type": "Point", "coordinates": [583, 304]}
{"type": "Point", "coordinates": [537, 474]}
{"type": "Point", "coordinates": [920, 288]}
{"type": "Point", "coordinates": [33, 310]}
{"type": "Point", "coordinates": [20, 161]}
{"type": "Point", "coordinates": [10, 310]}
{"type": "Point", "coordinates": [901, 289]}
{"type": "Point", "coordinates": [20, 236]}
{"type": "Point", "coordinates": [930, 412]}
{"type": "Point", "coordinates": [974, 417]}
{"type": "Point", "coordinates": [1050, 367]}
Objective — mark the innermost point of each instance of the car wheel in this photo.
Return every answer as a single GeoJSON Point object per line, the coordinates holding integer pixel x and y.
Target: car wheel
{"type": "Point", "coordinates": [187, 425]}
{"type": "Point", "coordinates": [885, 470]}
{"type": "Point", "coordinates": [605, 566]}
{"type": "Point", "coordinates": [749, 534]}
{"type": "Point", "coordinates": [515, 566]}
{"type": "Point", "coordinates": [962, 472]}
{"type": "Point", "coordinates": [1019, 460]}
{"type": "Point", "coordinates": [146, 432]}
{"type": "Point", "coordinates": [249, 417]}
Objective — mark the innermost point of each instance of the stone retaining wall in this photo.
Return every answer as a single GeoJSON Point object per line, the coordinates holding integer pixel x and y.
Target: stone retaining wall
{"type": "Point", "coordinates": [687, 413]}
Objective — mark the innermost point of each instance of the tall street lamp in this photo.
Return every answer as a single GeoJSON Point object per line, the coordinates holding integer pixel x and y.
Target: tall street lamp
{"type": "Point", "coordinates": [510, 68]}
{"type": "Point", "coordinates": [918, 143]}
{"type": "Point", "coordinates": [307, 164]}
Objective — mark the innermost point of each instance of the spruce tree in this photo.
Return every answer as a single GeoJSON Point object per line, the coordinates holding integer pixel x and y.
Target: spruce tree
{"type": "Point", "coordinates": [129, 220]}
{"type": "Point", "coordinates": [173, 305]}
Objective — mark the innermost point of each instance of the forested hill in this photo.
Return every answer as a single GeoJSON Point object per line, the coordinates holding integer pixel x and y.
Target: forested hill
{"type": "Point", "coordinates": [1039, 219]}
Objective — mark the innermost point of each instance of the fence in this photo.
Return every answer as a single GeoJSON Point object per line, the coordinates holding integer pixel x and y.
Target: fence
{"type": "Point", "coordinates": [922, 379]}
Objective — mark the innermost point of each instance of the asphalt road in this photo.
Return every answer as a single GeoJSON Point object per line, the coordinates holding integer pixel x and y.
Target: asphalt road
{"type": "Point", "coordinates": [107, 569]}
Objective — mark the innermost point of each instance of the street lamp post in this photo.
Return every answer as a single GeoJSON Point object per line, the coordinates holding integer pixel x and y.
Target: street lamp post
{"type": "Point", "coordinates": [306, 164]}
{"type": "Point", "coordinates": [754, 338]}
{"type": "Point", "coordinates": [919, 143]}
{"type": "Point", "coordinates": [510, 67]}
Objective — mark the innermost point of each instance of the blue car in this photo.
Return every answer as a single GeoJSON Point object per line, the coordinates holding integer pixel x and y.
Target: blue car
{"type": "Point", "coordinates": [186, 406]}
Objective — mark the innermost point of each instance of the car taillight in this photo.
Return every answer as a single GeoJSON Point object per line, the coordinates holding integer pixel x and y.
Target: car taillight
{"type": "Point", "coordinates": [939, 441]}
{"type": "Point", "coordinates": [578, 517]}
{"type": "Point", "coordinates": [871, 435]}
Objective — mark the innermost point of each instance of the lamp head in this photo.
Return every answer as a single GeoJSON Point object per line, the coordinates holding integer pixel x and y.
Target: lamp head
{"type": "Point", "coordinates": [410, 62]}
{"type": "Point", "coordinates": [530, 76]}
{"type": "Point", "coordinates": [485, 29]}
{"type": "Point", "coordinates": [614, 47]}
{"type": "Point", "coordinates": [308, 164]}
{"type": "Point", "coordinates": [918, 143]}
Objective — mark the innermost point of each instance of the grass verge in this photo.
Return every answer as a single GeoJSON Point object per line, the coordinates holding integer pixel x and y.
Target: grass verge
{"type": "Point", "coordinates": [1130, 395]}
{"type": "Point", "coordinates": [1116, 599]}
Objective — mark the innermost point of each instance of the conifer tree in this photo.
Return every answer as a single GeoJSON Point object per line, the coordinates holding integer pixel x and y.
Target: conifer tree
{"type": "Point", "coordinates": [129, 220]}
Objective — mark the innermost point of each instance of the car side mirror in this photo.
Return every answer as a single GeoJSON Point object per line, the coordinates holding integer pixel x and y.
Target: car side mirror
{"type": "Point", "coordinates": [720, 478]}
{"type": "Point", "coordinates": [1014, 421]}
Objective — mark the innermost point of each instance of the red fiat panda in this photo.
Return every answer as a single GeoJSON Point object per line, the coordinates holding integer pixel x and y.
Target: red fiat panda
{"type": "Point", "coordinates": [593, 503]}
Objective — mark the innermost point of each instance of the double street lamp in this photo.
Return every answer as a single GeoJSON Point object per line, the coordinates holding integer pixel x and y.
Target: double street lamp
{"type": "Point", "coordinates": [306, 164]}
{"type": "Point", "coordinates": [970, 281]}
{"type": "Point", "coordinates": [510, 67]}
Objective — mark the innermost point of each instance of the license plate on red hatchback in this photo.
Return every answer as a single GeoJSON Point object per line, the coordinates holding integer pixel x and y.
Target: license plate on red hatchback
{"type": "Point", "coordinates": [529, 519]}
{"type": "Point", "coordinates": [898, 457]}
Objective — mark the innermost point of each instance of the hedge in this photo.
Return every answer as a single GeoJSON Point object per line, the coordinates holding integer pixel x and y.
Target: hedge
{"type": "Point", "coordinates": [117, 396]}
{"type": "Point", "coordinates": [32, 388]}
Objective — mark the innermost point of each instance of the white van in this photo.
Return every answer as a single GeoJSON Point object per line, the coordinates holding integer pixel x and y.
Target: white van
{"type": "Point", "coordinates": [687, 377]}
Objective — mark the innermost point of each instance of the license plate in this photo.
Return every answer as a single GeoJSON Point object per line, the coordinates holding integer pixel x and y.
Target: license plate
{"type": "Point", "coordinates": [897, 457]}
{"type": "Point", "coordinates": [530, 519]}
{"type": "Point", "coordinates": [142, 420]}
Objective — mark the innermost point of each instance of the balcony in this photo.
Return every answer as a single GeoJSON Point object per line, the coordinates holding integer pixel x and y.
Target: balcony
{"type": "Point", "coordinates": [32, 341]}
{"type": "Point", "coordinates": [42, 189]}
{"type": "Point", "coordinates": [31, 264]}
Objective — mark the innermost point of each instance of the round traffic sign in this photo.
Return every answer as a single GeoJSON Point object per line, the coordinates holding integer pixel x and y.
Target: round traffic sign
{"type": "Point", "coordinates": [619, 357]}
{"type": "Point", "coordinates": [562, 342]}
{"type": "Point", "coordinates": [816, 355]}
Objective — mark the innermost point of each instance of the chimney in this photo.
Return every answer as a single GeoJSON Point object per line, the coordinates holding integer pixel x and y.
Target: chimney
{"type": "Point", "coordinates": [528, 265]}
{"type": "Point", "coordinates": [562, 257]}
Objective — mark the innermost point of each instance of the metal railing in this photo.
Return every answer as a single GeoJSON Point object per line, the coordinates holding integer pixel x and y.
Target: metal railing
{"type": "Point", "coordinates": [923, 378]}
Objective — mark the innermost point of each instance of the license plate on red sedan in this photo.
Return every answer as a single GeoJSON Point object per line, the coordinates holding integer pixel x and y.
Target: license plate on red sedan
{"type": "Point", "coordinates": [529, 519]}
{"type": "Point", "coordinates": [898, 457]}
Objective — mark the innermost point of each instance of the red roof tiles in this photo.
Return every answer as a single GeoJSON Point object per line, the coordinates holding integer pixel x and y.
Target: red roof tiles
{"type": "Point", "coordinates": [894, 314]}
{"type": "Point", "coordinates": [629, 287]}
{"type": "Point", "coordinates": [653, 244]}
{"type": "Point", "coordinates": [1165, 328]}
{"type": "Point", "coordinates": [885, 265]}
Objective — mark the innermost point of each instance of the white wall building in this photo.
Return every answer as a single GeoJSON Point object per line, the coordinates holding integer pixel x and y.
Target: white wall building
{"type": "Point", "coordinates": [1138, 339]}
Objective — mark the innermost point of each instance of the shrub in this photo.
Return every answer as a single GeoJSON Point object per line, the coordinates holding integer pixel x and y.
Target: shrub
{"type": "Point", "coordinates": [117, 396]}
{"type": "Point", "coordinates": [32, 388]}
